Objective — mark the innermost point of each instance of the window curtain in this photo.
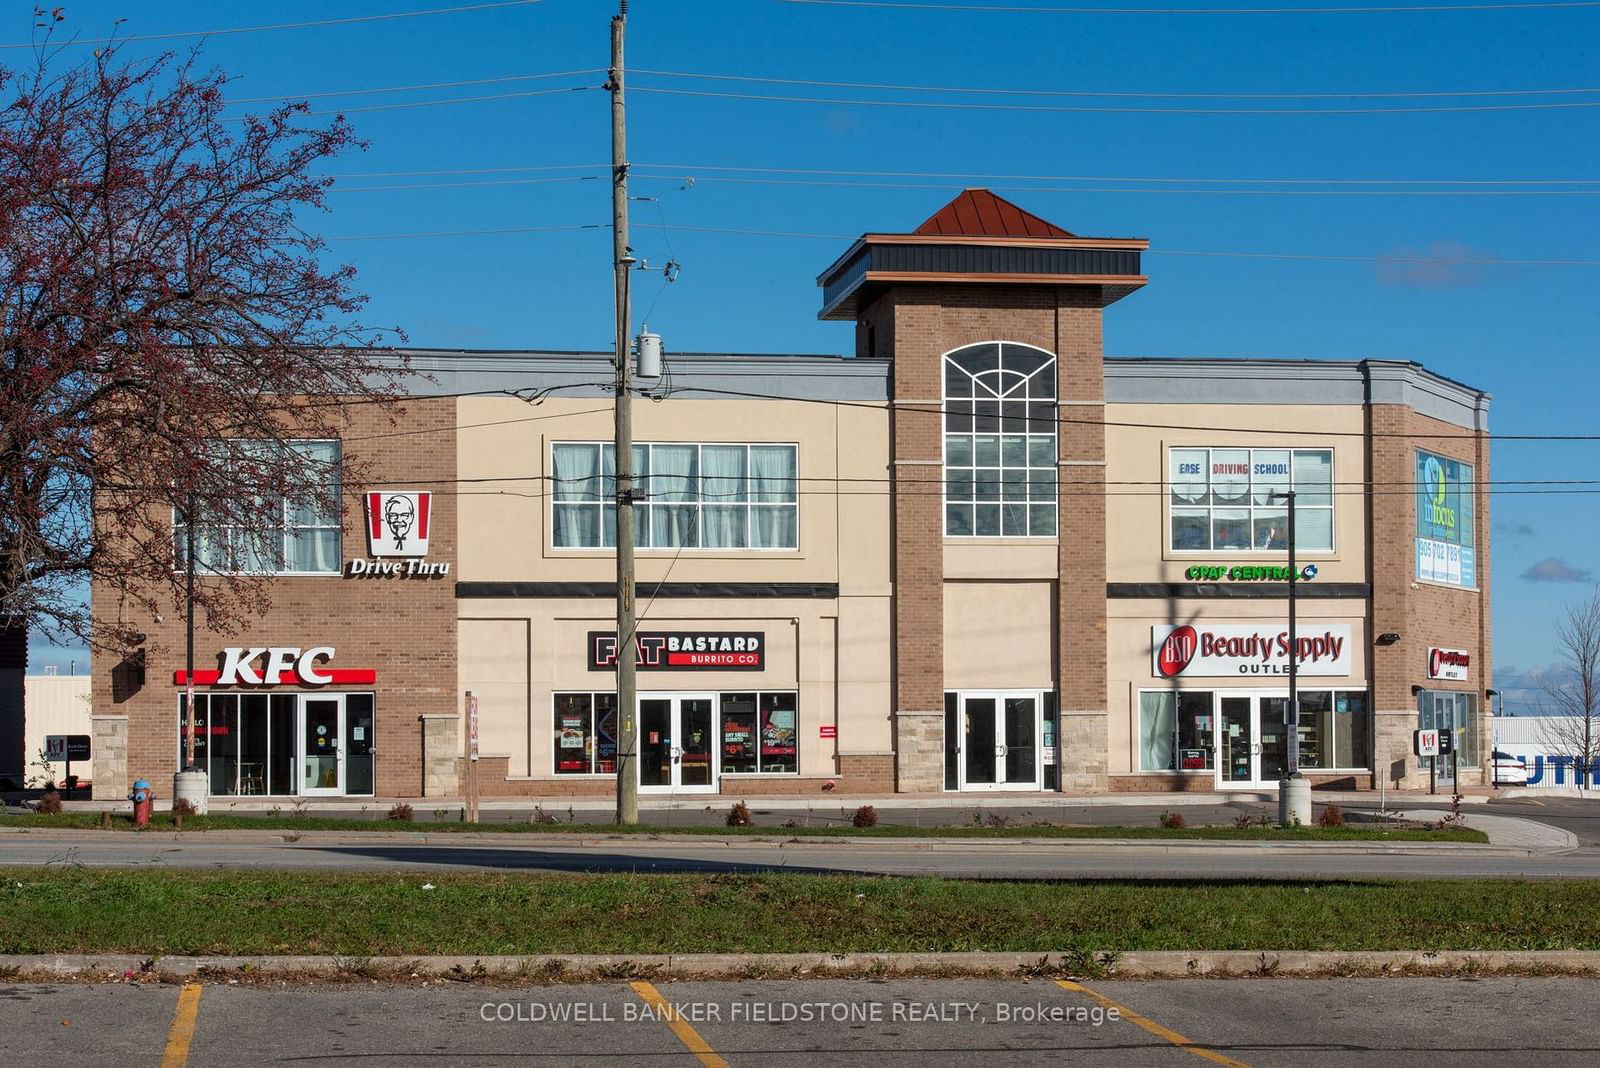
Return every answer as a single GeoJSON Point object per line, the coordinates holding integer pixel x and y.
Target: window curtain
{"type": "Point", "coordinates": [722, 517]}
{"type": "Point", "coordinates": [774, 478]}
{"type": "Point", "coordinates": [576, 471]}
{"type": "Point", "coordinates": [1158, 724]}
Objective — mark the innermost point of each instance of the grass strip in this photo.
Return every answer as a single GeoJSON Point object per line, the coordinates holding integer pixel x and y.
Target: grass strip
{"type": "Point", "coordinates": [233, 822]}
{"type": "Point", "coordinates": [75, 910]}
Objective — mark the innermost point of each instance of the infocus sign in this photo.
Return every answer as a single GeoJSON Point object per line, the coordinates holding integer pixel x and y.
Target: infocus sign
{"type": "Point", "coordinates": [682, 651]}
{"type": "Point", "coordinates": [282, 665]}
{"type": "Point", "coordinates": [1229, 651]}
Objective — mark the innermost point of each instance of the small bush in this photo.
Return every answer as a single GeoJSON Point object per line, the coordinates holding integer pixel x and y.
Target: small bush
{"type": "Point", "coordinates": [739, 815]}
{"type": "Point", "coordinates": [1173, 821]}
{"type": "Point", "coordinates": [49, 804]}
{"type": "Point", "coordinates": [866, 816]}
{"type": "Point", "coordinates": [1332, 816]}
{"type": "Point", "coordinates": [184, 807]}
{"type": "Point", "coordinates": [401, 813]}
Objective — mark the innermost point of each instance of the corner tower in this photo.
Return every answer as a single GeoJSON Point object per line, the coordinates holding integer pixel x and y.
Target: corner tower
{"type": "Point", "coordinates": [1017, 298]}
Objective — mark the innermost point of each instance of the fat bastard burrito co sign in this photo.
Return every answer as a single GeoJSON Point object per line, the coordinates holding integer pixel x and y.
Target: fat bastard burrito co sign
{"type": "Point", "coordinates": [1234, 650]}
{"type": "Point", "coordinates": [692, 650]}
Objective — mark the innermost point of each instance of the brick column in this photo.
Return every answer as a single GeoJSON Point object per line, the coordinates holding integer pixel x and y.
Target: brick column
{"type": "Point", "coordinates": [1081, 587]}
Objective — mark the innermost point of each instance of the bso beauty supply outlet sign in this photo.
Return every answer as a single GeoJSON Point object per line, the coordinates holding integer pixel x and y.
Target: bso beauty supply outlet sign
{"type": "Point", "coordinates": [1220, 651]}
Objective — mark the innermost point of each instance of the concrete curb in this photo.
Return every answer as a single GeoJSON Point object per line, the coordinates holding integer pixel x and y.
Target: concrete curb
{"type": "Point", "coordinates": [777, 840]}
{"type": "Point", "coordinates": [1267, 963]}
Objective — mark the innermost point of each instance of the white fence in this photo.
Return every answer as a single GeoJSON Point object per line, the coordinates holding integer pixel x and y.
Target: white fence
{"type": "Point", "coordinates": [1535, 740]}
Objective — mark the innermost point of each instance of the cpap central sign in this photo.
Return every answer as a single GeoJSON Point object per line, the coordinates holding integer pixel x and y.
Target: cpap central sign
{"type": "Point", "coordinates": [1241, 650]}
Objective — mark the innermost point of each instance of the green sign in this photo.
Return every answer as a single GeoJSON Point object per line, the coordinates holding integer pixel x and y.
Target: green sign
{"type": "Point", "coordinates": [1247, 573]}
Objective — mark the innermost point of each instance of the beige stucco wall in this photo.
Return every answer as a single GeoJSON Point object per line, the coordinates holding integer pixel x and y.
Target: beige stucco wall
{"type": "Point", "coordinates": [999, 635]}
{"type": "Point", "coordinates": [1129, 667]}
{"type": "Point", "coordinates": [56, 704]}
{"type": "Point", "coordinates": [1137, 548]}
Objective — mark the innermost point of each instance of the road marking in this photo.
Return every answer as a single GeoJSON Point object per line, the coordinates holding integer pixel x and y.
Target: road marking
{"type": "Point", "coordinates": [182, 1033]}
{"type": "Point", "coordinates": [687, 1035]}
{"type": "Point", "coordinates": [1150, 1025]}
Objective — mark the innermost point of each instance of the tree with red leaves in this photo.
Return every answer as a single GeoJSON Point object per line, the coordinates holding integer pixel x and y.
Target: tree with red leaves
{"type": "Point", "coordinates": [159, 304]}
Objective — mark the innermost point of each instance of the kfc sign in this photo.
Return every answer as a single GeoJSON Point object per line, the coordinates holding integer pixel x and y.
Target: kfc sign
{"type": "Point", "coordinates": [277, 665]}
{"type": "Point", "coordinates": [682, 651]}
{"type": "Point", "coordinates": [1234, 650]}
{"type": "Point", "coordinates": [397, 522]}
{"type": "Point", "coordinates": [1449, 664]}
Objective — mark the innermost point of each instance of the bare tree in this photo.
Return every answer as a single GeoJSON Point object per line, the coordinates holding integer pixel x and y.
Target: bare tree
{"type": "Point", "coordinates": [1571, 690]}
{"type": "Point", "coordinates": [158, 298]}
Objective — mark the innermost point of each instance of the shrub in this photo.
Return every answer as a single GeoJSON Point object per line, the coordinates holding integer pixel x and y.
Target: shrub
{"type": "Point", "coordinates": [739, 815]}
{"type": "Point", "coordinates": [1332, 816]}
{"type": "Point", "coordinates": [183, 807]}
{"type": "Point", "coordinates": [866, 816]}
{"type": "Point", "coordinates": [49, 804]}
{"type": "Point", "coordinates": [1173, 821]}
{"type": "Point", "coordinates": [401, 812]}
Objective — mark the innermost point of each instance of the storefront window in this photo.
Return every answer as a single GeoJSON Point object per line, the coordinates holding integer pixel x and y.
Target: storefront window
{"type": "Point", "coordinates": [1000, 442]}
{"type": "Point", "coordinates": [1351, 725]}
{"type": "Point", "coordinates": [1457, 712]}
{"type": "Point", "coordinates": [1316, 728]}
{"type": "Point", "coordinates": [245, 742]}
{"type": "Point", "coordinates": [1228, 500]}
{"type": "Point", "coordinates": [1175, 731]}
{"type": "Point", "coordinates": [294, 533]}
{"type": "Point", "coordinates": [699, 496]}
{"type": "Point", "coordinates": [585, 734]}
{"type": "Point", "coordinates": [740, 739]}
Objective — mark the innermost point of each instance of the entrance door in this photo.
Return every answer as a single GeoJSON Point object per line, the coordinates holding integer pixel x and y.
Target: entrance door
{"type": "Point", "coordinates": [1000, 741]}
{"type": "Point", "coordinates": [1252, 740]}
{"type": "Point", "coordinates": [677, 748]}
{"type": "Point", "coordinates": [322, 744]}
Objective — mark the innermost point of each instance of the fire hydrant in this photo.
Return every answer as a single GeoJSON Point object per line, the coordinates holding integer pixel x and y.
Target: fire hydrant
{"type": "Point", "coordinates": [143, 799]}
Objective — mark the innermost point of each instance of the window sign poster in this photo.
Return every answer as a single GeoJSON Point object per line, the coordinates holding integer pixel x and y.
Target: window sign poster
{"type": "Point", "coordinates": [606, 739]}
{"type": "Point", "coordinates": [1446, 496]}
{"type": "Point", "coordinates": [777, 732]}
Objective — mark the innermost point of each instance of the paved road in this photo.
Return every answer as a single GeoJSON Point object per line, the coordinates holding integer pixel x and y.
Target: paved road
{"type": "Point", "coordinates": [1010, 859]}
{"type": "Point", "coordinates": [815, 1023]}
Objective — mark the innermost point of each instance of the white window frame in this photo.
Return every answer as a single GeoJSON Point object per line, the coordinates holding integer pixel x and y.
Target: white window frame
{"type": "Point", "coordinates": [1053, 362]}
{"type": "Point", "coordinates": [699, 502]}
{"type": "Point", "coordinates": [1217, 694]}
{"type": "Point", "coordinates": [284, 525]}
{"type": "Point", "coordinates": [1250, 506]}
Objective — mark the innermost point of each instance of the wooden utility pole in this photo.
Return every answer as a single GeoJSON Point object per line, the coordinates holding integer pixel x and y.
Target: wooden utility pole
{"type": "Point", "coordinates": [622, 259]}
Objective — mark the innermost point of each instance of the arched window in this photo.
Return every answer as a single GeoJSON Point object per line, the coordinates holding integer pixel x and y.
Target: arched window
{"type": "Point", "coordinates": [1000, 441]}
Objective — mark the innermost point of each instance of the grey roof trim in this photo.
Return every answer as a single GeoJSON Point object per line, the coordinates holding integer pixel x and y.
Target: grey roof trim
{"type": "Point", "coordinates": [1264, 381]}
{"type": "Point", "coordinates": [582, 374]}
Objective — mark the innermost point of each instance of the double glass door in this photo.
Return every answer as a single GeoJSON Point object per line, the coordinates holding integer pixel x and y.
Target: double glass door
{"type": "Point", "coordinates": [677, 751]}
{"type": "Point", "coordinates": [999, 741]}
{"type": "Point", "coordinates": [1252, 740]}
{"type": "Point", "coordinates": [336, 739]}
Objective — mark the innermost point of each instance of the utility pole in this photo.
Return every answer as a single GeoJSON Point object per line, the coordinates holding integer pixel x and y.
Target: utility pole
{"type": "Point", "coordinates": [1294, 790]}
{"type": "Point", "coordinates": [188, 637]}
{"type": "Point", "coordinates": [622, 261]}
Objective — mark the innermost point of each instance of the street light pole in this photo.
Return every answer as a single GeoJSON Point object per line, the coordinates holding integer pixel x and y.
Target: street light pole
{"type": "Point", "coordinates": [188, 623]}
{"type": "Point", "coordinates": [1294, 791]}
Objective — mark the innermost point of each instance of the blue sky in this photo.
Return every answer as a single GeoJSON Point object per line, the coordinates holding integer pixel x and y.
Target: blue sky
{"type": "Point", "coordinates": [1524, 332]}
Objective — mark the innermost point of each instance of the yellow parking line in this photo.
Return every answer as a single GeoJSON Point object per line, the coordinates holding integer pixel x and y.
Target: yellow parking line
{"type": "Point", "coordinates": [182, 1033]}
{"type": "Point", "coordinates": [687, 1035]}
{"type": "Point", "coordinates": [1150, 1025]}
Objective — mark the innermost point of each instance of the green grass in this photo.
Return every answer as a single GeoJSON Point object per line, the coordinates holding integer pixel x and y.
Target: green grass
{"type": "Point", "coordinates": [66, 910]}
{"type": "Point", "coordinates": [231, 822]}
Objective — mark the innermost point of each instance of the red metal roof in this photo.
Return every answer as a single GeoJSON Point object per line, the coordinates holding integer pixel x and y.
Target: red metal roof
{"type": "Point", "coordinates": [979, 213]}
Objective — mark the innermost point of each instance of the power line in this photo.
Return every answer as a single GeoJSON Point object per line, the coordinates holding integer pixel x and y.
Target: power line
{"type": "Point", "coordinates": [476, 81]}
{"type": "Point", "coordinates": [912, 5]}
{"type": "Point", "coordinates": [1115, 109]}
{"type": "Point", "coordinates": [474, 185]}
{"type": "Point", "coordinates": [897, 87]}
{"type": "Point", "coordinates": [410, 104]}
{"type": "Point", "coordinates": [274, 26]}
{"type": "Point", "coordinates": [471, 233]}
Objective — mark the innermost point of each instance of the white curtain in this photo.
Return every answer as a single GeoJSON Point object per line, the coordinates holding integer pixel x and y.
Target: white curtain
{"type": "Point", "coordinates": [576, 470]}
{"type": "Point", "coordinates": [722, 518]}
{"type": "Point", "coordinates": [1157, 725]}
{"type": "Point", "coordinates": [773, 474]}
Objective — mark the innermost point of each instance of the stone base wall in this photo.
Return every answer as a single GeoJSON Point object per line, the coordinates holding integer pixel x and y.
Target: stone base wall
{"type": "Point", "coordinates": [1083, 751]}
{"type": "Point", "coordinates": [441, 756]}
{"type": "Point", "coordinates": [108, 759]}
{"type": "Point", "coordinates": [919, 752]}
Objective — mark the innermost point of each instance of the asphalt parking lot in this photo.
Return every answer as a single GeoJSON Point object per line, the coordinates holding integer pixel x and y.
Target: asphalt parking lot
{"type": "Point", "coordinates": [1302, 1022]}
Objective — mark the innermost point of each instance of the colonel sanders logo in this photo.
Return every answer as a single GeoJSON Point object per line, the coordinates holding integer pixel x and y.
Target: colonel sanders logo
{"type": "Point", "coordinates": [397, 522]}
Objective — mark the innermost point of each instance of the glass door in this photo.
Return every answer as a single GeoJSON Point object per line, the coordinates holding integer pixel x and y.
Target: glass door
{"type": "Point", "coordinates": [321, 763]}
{"type": "Point", "coordinates": [1236, 741]}
{"type": "Point", "coordinates": [677, 750]}
{"type": "Point", "coordinates": [1000, 741]}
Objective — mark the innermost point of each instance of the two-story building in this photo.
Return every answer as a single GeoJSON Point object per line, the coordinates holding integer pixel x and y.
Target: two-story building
{"type": "Point", "coordinates": [971, 555]}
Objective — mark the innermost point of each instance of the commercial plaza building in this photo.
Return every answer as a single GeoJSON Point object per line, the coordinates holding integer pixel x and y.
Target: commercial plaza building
{"type": "Point", "coordinates": [974, 555]}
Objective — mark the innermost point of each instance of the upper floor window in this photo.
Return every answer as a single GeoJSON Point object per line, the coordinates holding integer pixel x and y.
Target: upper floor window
{"type": "Point", "coordinates": [1000, 441]}
{"type": "Point", "coordinates": [698, 496]}
{"type": "Point", "coordinates": [276, 531]}
{"type": "Point", "coordinates": [1232, 500]}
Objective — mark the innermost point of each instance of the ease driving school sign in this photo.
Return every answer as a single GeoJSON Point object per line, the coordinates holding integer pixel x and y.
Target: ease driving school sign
{"type": "Point", "coordinates": [1234, 650]}
{"type": "Point", "coordinates": [683, 650]}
